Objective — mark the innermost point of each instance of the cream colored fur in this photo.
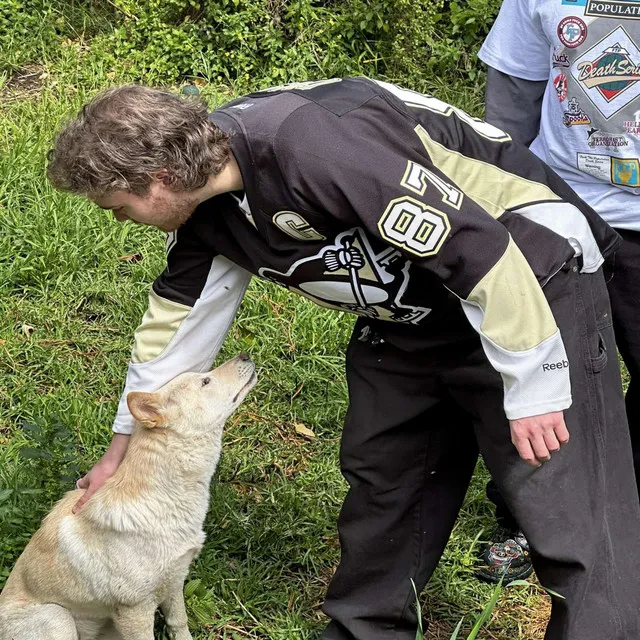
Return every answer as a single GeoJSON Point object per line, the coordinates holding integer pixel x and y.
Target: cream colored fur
{"type": "Point", "coordinates": [102, 573]}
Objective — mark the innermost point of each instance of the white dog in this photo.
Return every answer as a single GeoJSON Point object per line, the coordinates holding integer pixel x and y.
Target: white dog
{"type": "Point", "coordinates": [101, 574]}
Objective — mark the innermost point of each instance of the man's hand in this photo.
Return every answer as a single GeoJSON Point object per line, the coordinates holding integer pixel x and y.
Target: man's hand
{"type": "Point", "coordinates": [103, 469]}
{"type": "Point", "coordinates": [537, 437]}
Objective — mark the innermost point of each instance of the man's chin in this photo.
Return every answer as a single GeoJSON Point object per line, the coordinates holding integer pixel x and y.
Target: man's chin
{"type": "Point", "coordinates": [170, 227]}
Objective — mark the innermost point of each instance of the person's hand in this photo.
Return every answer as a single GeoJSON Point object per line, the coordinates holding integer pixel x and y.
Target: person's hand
{"type": "Point", "coordinates": [538, 437]}
{"type": "Point", "coordinates": [103, 469]}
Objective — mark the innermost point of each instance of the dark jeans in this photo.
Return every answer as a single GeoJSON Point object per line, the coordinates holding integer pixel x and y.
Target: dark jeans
{"type": "Point", "coordinates": [623, 283]}
{"type": "Point", "coordinates": [422, 404]}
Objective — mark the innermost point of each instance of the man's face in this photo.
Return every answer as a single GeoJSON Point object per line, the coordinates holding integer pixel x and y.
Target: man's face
{"type": "Point", "coordinates": [160, 207]}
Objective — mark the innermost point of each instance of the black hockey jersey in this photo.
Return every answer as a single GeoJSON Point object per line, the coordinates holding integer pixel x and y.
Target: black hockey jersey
{"type": "Point", "coordinates": [383, 202]}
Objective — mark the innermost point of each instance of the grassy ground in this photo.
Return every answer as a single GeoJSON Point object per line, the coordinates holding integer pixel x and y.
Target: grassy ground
{"type": "Point", "coordinates": [73, 287]}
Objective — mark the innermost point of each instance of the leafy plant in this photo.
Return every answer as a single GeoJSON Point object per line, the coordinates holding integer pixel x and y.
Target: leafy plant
{"type": "Point", "coordinates": [52, 452]}
{"type": "Point", "coordinates": [253, 43]}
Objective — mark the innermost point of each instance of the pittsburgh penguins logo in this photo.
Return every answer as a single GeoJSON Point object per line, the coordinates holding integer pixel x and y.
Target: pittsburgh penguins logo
{"type": "Point", "coordinates": [294, 225]}
{"type": "Point", "coordinates": [350, 276]}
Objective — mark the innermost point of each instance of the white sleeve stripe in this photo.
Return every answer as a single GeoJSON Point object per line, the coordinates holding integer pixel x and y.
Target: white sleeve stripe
{"type": "Point", "coordinates": [536, 381]}
{"type": "Point", "coordinates": [198, 339]}
{"type": "Point", "coordinates": [569, 222]}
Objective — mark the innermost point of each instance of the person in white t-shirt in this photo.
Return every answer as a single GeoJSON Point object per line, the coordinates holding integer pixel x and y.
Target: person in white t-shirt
{"type": "Point", "coordinates": [564, 78]}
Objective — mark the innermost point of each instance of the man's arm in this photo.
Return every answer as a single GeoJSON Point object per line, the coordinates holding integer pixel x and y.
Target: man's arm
{"type": "Point", "coordinates": [514, 104]}
{"type": "Point", "coordinates": [517, 53]}
{"type": "Point", "coordinates": [406, 200]}
{"type": "Point", "coordinates": [517, 77]}
{"type": "Point", "coordinates": [103, 469]}
{"type": "Point", "coordinates": [181, 332]}
{"type": "Point", "coordinates": [191, 308]}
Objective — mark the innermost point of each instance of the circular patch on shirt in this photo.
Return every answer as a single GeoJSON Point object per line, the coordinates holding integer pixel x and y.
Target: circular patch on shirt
{"type": "Point", "coordinates": [560, 83]}
{"type": "Point", "coordinates": [572, 31]}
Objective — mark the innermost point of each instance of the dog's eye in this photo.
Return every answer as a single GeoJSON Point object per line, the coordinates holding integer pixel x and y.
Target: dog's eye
{"type": "Point", "coordinates": [205, 381]}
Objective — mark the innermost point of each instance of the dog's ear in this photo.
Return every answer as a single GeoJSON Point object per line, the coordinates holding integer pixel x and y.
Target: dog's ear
{"type": "Point", "coordinates": [146, 408]}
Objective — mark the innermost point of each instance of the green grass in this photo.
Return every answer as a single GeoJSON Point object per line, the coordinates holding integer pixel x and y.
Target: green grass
{"type": "Point", "coordinates": [69, 303]}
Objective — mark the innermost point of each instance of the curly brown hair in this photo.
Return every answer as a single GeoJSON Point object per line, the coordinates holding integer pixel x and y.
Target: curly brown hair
{"type": "Point", "coordinates": [125, 135]}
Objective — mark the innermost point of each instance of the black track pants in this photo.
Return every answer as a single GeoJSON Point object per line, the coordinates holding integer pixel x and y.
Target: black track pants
{"type": "Point", "coordinates": [624, 291]}
{"type": "Point", "coordinates": [422, 403]}
{"type": "Point", "coordinates": [623, 283]}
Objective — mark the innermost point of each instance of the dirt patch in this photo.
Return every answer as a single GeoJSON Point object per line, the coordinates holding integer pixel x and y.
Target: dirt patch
{"type": "Point", "coordinates": [25, 83]}
{"type": "Point", "coordinates": [28, 78]}
{"type": "Point", "coordinates": [532, 622]}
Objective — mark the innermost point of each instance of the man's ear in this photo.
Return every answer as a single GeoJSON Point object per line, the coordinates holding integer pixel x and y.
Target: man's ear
{"type": "Point", "coordinates": [146, 408]}
{"type": "Point", "coordinates": [163, 175]}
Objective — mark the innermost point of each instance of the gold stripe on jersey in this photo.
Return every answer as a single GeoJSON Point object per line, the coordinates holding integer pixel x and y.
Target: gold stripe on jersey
{"type": "Point", "coordinates": [492, 188]}
{"type": "Point", "coordinates": [158, 327]}
{"type": "Point", "coordinates": [511, 285]}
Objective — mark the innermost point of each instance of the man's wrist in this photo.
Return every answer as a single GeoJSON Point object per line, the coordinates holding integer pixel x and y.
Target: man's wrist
{"type": "Point", "coordinates": [117, 449]}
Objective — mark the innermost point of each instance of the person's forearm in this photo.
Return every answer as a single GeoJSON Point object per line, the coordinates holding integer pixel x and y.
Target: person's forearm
{"type": "Point", "coordinates": [103, 469]}
{"type": "Point", "coordinates": [514, 105]}
{"type": "Point", "coordinates": [192, 333]}
{"type": "Point", "coordinates": [117, 449]}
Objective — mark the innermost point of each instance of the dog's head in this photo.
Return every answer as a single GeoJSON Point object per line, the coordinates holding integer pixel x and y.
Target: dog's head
{"type": "Point", "coordinates": [193, 402]}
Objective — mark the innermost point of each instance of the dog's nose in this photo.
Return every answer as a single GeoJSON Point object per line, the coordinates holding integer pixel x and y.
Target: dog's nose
{"type": "Point", "coordinates": [244, 357]}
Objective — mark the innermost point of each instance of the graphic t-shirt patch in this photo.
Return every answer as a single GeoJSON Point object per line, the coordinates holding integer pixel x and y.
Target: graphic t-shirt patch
{"type": "Point", "coordinates": [572, 31]}
{"type": "Point", "coordinates": [627, 9]}
{"type": "Point", "coordinates": [609, 72]}
{"type": "Point", "coordinates": [575, 115]}
{"type": "Point", "coordinates": [560, 83]}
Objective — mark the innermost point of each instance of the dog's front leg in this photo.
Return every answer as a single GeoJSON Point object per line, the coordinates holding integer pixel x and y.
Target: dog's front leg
{"type": "Point", "coordinates": [135, 623]}
{"type": "Point", "coordinates": [175, 612]}
{"type": "Point", "coordinates": [173, 607]}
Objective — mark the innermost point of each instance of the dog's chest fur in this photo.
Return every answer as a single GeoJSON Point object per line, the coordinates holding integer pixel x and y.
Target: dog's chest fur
{"type": "Point", "coordinates": [120, 569]}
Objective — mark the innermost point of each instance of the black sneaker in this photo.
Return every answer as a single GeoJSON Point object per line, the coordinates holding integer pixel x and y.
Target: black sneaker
{"type": "Point", "coordinates": [506, 556]}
